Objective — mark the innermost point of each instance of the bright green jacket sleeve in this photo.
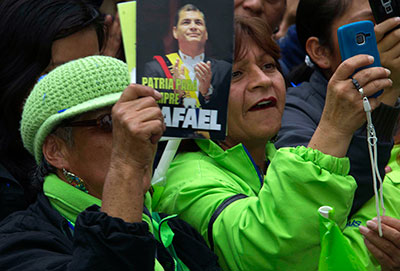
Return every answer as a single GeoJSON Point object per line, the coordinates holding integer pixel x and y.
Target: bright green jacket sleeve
{"type": "Point", "coordinates": [277, 226]}
{"type": "Point", "coordinates": [391, 195]}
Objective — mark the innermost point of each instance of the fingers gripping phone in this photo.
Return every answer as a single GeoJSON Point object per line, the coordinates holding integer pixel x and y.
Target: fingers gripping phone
{"type": "Point", "coordinates": [384, 9]}
{"type": "Point", "coordinates": [359, 38]}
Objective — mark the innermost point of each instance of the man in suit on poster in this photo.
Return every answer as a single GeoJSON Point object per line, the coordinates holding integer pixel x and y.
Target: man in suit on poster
{"type": "Point", "coordinates": [211, 75]}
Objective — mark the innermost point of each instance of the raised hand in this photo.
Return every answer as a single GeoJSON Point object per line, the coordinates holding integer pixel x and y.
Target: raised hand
{"type": "Point", "coordinates": [138, 124]}
{"type": "Point", "coordinates": [203, 75]}
{"type": "Point", "coordinates": [343, 113]}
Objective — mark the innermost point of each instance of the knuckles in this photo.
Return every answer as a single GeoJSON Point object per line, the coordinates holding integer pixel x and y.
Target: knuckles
{"type": "Point", "coordinates": [366, 73]}
{"type": "Point", "coordinates": [396, 236]}
{"type": "Point", "coordinates": [117, 112]}
{"type": "Point", "coordinates": [347, 65]}
{"type": "Point", "coordinates": [386, 246]}
{"type": "Point", "coordinates": [134, 128]}
{"type": "Point", "coordinates": [376, 85]}
{"type": "Point", "coordinates": [396, 34]}
{"type": "Point", "coordinates": [149, 101]}
{"type": "Point", "coordinates": [340, 91]}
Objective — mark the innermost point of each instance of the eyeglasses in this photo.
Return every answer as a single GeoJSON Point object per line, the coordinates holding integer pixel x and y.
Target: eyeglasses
{"type": "Point", "coordinates": [103, 122]}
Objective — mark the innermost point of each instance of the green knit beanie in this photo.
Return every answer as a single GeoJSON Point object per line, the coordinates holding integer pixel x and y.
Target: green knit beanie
{"type": "Point", "coordinates": [69, 90]}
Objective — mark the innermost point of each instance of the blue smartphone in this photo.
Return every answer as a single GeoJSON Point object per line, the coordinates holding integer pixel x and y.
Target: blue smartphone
{"type": "Point", "coordinates": [359, 38]}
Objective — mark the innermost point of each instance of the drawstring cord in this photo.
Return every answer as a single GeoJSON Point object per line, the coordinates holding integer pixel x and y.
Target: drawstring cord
{"type": "Point", "coordinates": [373, 154]}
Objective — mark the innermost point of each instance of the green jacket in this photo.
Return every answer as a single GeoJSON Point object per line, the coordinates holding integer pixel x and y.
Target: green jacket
{"type": "Point", "coordinates": [391, 196]}
{"type": "Point", "coordinates": [274, 225]}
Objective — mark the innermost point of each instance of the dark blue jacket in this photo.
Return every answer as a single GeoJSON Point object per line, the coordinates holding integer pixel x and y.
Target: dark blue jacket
{"type": "Point", "coordinates": [303, 110]}
{"type": "Point", "coordinates": [292, 53]}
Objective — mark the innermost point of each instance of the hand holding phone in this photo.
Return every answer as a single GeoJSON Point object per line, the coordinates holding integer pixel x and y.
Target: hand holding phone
{"type": "Point", "coordinates": [359, 38]}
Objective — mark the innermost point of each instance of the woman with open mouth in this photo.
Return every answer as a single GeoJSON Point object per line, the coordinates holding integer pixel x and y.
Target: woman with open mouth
{"type": "Point", "coordinates": [257, 206]}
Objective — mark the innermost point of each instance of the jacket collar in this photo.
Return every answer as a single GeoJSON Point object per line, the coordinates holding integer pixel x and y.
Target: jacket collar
{"type": "Point", "coordinates": [237, 160]}
{"type": "Point", "coordinates": [66, 199]}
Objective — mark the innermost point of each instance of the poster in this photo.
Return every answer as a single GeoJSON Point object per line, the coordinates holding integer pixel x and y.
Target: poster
{"type": "Point", "coordinates": [185, 51]}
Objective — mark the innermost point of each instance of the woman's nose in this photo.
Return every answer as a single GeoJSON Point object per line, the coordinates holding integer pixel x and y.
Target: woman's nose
{"type": "Point", "coordinates": [258, 78]}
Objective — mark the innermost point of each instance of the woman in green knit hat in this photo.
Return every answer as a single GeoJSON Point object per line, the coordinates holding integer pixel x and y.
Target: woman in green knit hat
{"type": "Point", "coordinates": [94, 137]}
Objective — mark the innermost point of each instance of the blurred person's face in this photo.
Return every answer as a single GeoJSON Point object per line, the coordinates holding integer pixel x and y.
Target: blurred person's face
{"type": "Point", "coordinates": [270, 10]}
{"type": "Point", "coordinates": [90, 154]}
{"type": "Point", "coordinates": [256, 98]}
{"type": "Point", "coordinates": [358, 10]}
{"type": "Point", "coordinates": [190, 29]}
{"type": "Point", "coordinates": [80, 44]}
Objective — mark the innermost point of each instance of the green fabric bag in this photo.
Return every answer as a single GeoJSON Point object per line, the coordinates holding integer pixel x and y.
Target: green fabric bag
{"type": "Point", "coordinates": [336, 252]}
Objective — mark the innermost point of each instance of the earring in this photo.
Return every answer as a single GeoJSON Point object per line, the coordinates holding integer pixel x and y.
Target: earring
{"type": "Point", "coordinates": [74, 180]}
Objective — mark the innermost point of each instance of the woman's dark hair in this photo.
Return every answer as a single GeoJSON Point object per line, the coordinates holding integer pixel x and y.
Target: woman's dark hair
{"type": "Point", "coordinates": [28, 29]}
{"type": "Point", "coordinates": [41, 171]}
{"type": "Point", "coordinates": [314, 18]}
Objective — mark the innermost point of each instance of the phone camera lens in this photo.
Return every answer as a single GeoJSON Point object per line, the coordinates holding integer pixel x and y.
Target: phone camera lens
{"type": "Point", "coordinates": [360, 38]}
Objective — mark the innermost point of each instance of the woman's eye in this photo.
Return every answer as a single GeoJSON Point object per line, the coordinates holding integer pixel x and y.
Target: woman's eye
{"type": "Point", "coordinates": [269, 66]}
{"type": "Point", "coordinates": [236, 74]}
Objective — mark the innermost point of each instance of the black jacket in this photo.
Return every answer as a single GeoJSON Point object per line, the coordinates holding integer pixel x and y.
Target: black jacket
{"type": "Point", "coordinates": [39, 238]}
{"type": "Point", "coordinates": [12, 197]}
